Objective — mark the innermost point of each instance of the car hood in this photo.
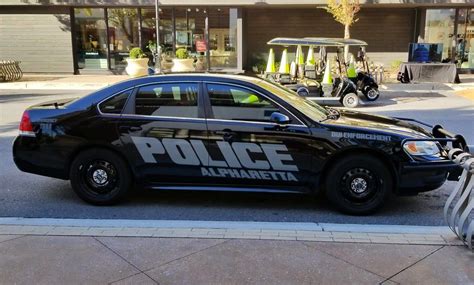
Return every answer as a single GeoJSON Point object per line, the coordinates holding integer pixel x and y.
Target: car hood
{"type": "Point", "coordinates": [380, 123]}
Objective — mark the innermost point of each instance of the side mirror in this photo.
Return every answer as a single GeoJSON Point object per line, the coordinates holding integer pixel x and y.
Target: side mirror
{"type": "Point", "coordinates": [279, 118]}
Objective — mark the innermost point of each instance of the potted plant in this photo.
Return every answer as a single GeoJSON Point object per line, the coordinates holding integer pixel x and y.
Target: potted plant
{"type": "Point", "coordinates": [137, 63]}
{"type": "Point", "coordinates": [182, 63]}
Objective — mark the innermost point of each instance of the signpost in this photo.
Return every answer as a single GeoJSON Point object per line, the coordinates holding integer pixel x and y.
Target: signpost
{"type": "Point", "coordinates": [157, 31]}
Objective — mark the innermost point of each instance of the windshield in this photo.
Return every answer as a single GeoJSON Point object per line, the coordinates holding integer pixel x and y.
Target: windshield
{"type": "Point", "coordinates": [307, 107]}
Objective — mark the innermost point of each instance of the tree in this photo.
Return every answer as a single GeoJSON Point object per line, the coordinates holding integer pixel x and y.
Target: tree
{"type": "Point", "coordinates": [344, 12]}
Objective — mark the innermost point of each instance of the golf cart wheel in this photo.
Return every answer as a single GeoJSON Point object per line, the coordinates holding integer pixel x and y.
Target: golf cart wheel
{"type": "Point", "coordinates": [350, 100]}
{"type": "Point", "coordinates": [100, 177]}
{"type": "Point", "coordinates": [303, 91]}
{"type": "Point", "coordinates": [371, 94]}
{"type": "Point", "coordinates": [358, 184]}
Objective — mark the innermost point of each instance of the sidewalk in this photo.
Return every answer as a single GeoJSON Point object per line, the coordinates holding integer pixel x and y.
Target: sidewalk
{"type": "Point", "coordinates": [50, 251]}
{"type": "Point", "coordinates": [93, 82]}
{"type": "Point", "coordinates": [62, 82]}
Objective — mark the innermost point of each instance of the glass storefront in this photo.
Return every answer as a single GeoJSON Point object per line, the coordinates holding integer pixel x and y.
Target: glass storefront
{"type": "Point", "coordinates": [439, 28]}
{"type": "Point", "coordinates": [190, 34]}
{"type": "Point", "coordinates": [91, 38]}
{"type": "Point", "coordinates": [123, 35]}
{"type": "Point", "coordinates": [465, 38]}
{"type": "Point", "coordinates": [166, 29]}
{"type": "Point", "coordinates": [107, 35]}
{"type": "Point", "coordinates": [223, 37]}
{"type": "Point", "coordinates": [454, 28]}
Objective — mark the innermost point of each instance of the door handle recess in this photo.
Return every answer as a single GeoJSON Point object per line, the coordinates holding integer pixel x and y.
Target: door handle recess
{"type": "Point", "coordinates": [227, 135]}
{"type": "Point", "coordinates": [132, 128]}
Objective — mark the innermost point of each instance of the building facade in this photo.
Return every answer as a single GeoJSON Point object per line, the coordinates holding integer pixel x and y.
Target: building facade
{"type": "Point", "coordinates": [85, 36]}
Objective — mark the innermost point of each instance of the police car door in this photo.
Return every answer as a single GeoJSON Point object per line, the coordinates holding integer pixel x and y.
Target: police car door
{"type": "Point", "coordinates": [159, 128]}
{"type": "Point", "coordinates": [247, 148]}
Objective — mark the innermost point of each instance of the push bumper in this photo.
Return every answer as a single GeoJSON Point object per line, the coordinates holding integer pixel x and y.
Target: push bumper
{"type": "Point", "coordinates": [418, 177]}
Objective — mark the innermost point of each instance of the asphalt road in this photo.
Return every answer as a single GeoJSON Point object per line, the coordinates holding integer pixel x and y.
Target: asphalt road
{"type": "Point", "coordinates": [28, 195]}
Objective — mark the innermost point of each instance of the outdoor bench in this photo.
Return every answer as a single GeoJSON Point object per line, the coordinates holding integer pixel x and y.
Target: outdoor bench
{"type": "Point", "coordinates": [10, 70]}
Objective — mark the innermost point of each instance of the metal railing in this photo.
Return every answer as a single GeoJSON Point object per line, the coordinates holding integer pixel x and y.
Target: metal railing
{"type": "Point", "coordinates": [458, 213]}
{"type": "Point", "coordinates": [10, 70]}
{"type": "Point", "coordinates": [375, 69]}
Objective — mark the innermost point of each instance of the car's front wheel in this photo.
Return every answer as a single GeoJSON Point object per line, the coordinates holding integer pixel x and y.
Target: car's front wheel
{"type": "Point", "coordinates": [100, 177]}
{"type": "Point", "coordinates": [358, 185]}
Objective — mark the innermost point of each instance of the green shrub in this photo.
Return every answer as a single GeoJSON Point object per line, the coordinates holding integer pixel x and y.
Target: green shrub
{"type": "Point", "coordinates": [137, 53]}
{"type": "Point", "coordinates": [151, 46]}
{"type": "Point", "coordinates": [259, 61]}
{"type": "Point", "coordinates": [182, 53]}
{"type": "Point", "coordinates": [395, 64]}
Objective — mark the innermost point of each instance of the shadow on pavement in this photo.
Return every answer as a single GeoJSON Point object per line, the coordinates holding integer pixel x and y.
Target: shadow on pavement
{"type": "Point", "coordinates": [228, 206]}
{"type": "Point", "coordinates": [393, 98]}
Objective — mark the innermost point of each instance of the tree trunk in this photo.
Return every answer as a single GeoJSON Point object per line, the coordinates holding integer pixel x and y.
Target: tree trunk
{"type": "Point", "coordinates": [347, 35]}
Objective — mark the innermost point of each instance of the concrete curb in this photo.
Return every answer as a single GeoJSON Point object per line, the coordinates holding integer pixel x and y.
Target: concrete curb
{"type": "Point", "coordinates": [395, 229]}
{"type": "Point", "coordinates": [353, 233]}
{"type": "Point", "coordinates": [158, 223]}
{"type": "Point", "coordinates": [91, 85]}
{"type": "Point", "coordinates": [52, 86]}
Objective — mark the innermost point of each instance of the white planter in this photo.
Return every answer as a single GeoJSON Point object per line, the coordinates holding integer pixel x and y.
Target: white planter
{"type": "Point", "coordinates": [182, 65]}
{"type": "Point", "coordinates": [137, 67]}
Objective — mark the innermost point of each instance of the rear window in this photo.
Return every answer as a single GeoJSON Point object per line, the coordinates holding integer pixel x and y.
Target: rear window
{"type": "Point", "coordinates": [168, 100]}
{"type": "Point", "coordinates": [115, 104]}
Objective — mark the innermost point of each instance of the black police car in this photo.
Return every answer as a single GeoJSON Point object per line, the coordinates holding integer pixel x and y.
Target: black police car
{"type": "Point", "coordinates": [230, 133]}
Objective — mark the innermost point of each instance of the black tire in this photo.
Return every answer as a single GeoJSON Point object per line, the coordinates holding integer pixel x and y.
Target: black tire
{"type": "Point", "coordinates": [358, 185]}
{"type": "Point", "coordinates": [371, 93]}
{"type": "Point", "coordinates": [100, 177]}
{"type": "Point", "coordinates": [350, 100]}
{"type": "Point", "coordinates": [303, 91]}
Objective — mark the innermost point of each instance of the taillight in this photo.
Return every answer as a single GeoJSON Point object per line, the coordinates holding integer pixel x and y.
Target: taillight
{"type": "Point", "coordinates": [26, 128]}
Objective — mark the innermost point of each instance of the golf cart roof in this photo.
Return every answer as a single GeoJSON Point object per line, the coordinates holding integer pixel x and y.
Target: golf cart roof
{"type": "Point", "coordinates": [304, 42]}
{"type": "Point", "coordinates": [313, 41]}
{"type": "Point", "coordinates": [344, 42]}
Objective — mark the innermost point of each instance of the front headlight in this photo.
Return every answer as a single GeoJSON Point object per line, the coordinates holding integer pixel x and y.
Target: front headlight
{"type": "Point", "coordinates": [421, 148]}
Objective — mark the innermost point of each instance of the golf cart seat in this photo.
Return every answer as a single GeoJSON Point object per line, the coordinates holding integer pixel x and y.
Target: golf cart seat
{"type": "Point", "coordinates": [313, 72]}
{"type": "Point", "coordinates": [310, 71]}
{"type": "Point", "coordinates": [285, 78]}
{"type": "Point", "coordinates": [282, 78]}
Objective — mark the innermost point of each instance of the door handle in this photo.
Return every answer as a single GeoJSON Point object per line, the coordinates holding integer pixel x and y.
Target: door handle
{"type": "Point", "coordinates": [276, 127]}
{"type": "Point", "coordinates": [130, 128]}
{"type": "Point", "coordinates": [227, 135]}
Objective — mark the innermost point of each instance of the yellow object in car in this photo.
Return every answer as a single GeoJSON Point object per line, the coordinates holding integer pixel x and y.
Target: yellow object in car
{"type": "Point", "coordinates": [251, 99]}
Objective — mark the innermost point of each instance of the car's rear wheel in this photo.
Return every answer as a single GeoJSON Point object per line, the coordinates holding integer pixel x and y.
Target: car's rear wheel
{"type": "Point", "coordinates": [358, 185]}
{"type": "Point", "coordinates": [100, 177]}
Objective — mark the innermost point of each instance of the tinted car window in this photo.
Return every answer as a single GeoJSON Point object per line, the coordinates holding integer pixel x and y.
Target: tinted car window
{"type": "Point", "coordinates": [235, 103]}
{"type": "Point", "coordinates": [307, 107]}
{"type": "Point", "coordinates": [115, 104]}
{"type": "Point", "coordinates": [168, 100]}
